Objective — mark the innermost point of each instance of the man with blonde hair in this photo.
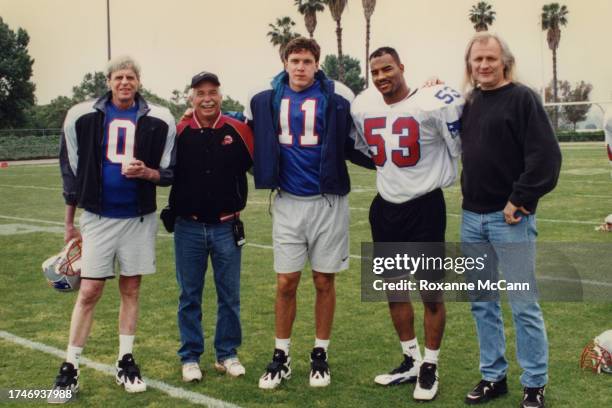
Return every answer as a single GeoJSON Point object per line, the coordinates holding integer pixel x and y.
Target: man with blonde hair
{"type": "Point", "coordinates": [511, 159]}
{"type": "Point", "coordinates": [114, 151]}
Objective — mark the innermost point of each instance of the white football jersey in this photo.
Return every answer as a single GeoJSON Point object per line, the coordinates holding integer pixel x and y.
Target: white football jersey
{"type": "Point", "coordinates": [414, 143]}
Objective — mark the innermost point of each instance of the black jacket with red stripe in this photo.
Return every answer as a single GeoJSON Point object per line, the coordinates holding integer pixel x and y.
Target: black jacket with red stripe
{"type": "Point", "coordinates": [210, 171]}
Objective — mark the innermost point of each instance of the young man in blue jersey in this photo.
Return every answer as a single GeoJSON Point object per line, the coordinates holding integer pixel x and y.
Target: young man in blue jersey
{"type": "Point", "coordinates": [303, 133]}
{"type": "Point", "coordinates": [114, 151]}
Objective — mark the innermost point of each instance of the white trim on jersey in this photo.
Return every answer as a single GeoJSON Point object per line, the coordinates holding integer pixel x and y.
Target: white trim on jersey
{"type": "Point", "coordinates": [164, 114]}
{"type": "Point", "coordinates": [72, 116]}
{"type": "Point", "coordinates": [344, 91]}
{"type": "Point", "coordinates": [255, 91]}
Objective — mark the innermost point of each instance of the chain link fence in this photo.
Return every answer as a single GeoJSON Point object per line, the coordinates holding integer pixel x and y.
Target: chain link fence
{"type": "Point", "coordinates": [23, 144]}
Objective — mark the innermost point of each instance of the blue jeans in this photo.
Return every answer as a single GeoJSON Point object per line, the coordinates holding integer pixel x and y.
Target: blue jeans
{"type": "Point", "coordinates": [511, 253]}
{"type": "Point", "coordinates": [193, 242]}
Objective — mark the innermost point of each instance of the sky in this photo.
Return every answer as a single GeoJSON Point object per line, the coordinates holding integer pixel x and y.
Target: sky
{"type": "Point", "coordinates": [173, 40]}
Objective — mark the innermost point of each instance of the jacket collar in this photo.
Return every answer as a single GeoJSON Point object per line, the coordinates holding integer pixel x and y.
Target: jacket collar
{"type": "Point", "coordinates": [195, 124]}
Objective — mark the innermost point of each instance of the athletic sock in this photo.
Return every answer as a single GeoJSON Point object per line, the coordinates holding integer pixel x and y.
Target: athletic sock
{"type": "Point", "coordinates": [283, 344]}
{"type": "Point", "coordinates": [431, 356]}
{"type": "Point", "coordinates": [73, 355]}
{"type": "Point", "coordinates": [411, 348]}
{"type": "Point", "coordinates": [324, 344]}
{"type": "Point", "coordinates": [126, 345]}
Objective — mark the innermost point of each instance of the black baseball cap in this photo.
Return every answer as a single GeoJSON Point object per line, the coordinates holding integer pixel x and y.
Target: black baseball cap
{"type": "Point", "coordinates": [204, 76]}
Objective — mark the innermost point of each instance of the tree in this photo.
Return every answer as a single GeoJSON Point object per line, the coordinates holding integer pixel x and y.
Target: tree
{"type": "Point", "coordinates": [16, 89]}
{"type": "Point", "coordinates": [554, 17]}
{"type": "Point", "coordinates": [336, 7]}
{"type": "Point", "coordinates": [309, 9]}
{"type": "Point", "coordinates": [282, 32]}
{"type": "Point", "coordinates": [482, 16]}
{"type": "Point", "coordinates": [578, 113]}
{"type": "Point", "coordinates": [51, 115]}
{"type": "Point", "coordinates": [368, 10]}
{"type": "Point", "coordinates": [231, 105]}
{"type": "Point", "coordinates": [570, 114]}
{"type": "Point", "coordinates": [92, 86]}
{"type": "Point", "coordinates": [352, 70]}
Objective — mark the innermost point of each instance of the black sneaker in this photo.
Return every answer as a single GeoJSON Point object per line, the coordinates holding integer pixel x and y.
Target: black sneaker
{"type": "Point", "coordinates": [427, 383]}
{"type": "Point", "coordinates": [128, 374]}
{"type": "Point", "coordinates": [66, 385]}
{"type": "Point", "coordinates": [533, 397]}
{"type": "Point", "coordinates": [486, 391]}
{"type": "Point", "coordinates": [408, 371]}
{"type": "Point", "coordinates": [277, 371]}
{"type": "Point", "coordinates": [319, 369]}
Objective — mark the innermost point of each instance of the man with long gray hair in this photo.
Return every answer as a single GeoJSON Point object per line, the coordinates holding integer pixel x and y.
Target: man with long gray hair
{"type": "Point", "coordinates": [511, 159]}
{"type": "Point", "coordinates": [114, 151]}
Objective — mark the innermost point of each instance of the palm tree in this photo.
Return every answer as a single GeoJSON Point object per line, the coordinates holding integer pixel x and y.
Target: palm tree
{"type": "Point", "coordinates": [336, 7]}
{"type": "Point", "coordinates": [309, 9]}
{"type": "Point", "coordinates": [368, 10]}
{"type": "Point", "coordinates": [554, 16]}
{"type": "Point", "coordinates": [282, 33]}
{"type": "Point", "coordinates": [482, 16]}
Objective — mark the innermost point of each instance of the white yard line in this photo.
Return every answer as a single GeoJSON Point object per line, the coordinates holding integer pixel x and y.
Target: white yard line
{"type": "Point", "coordinates": [175, 392]}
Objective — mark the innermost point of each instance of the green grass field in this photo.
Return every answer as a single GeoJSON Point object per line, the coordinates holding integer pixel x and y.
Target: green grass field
{"type": "Point", "coordinates": [363, 342]}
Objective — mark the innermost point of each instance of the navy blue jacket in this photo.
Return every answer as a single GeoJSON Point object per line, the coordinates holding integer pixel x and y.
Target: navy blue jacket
{"type": "Point", "coordinates": [338, 140]}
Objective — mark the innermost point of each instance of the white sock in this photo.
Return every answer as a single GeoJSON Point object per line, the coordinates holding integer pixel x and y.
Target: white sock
{"type": "Point", "coordinates": [411, 348]}
{"type": "Point", "coordinates": [126, 345]}
{"type": "Point", "coordinates": [73, 355]}
{"type": "Point", "coordinates": [283, 344]}
{"type": "Point", "coordinates": [324, 344]}
{"type": "Point", "coordinates": [431, 356]}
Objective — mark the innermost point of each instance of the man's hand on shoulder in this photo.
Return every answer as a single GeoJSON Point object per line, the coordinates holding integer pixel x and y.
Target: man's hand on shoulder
{"type": "Point", "coordinates": [432, 81]}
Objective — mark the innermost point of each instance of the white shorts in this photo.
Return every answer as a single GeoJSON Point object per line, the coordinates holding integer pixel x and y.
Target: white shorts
{"type": "Point", "coordinates": [314, 228]}
{"type": "Point", "coordinates": [129, 240]}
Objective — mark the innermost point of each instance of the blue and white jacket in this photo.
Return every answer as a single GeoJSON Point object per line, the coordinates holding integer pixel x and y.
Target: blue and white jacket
{"type": "Point", "coordinates": [338, 141]}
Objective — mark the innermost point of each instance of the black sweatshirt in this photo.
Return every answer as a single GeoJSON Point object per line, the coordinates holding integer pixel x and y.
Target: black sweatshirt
{"type": "Point", "coordinates": [510, 152]}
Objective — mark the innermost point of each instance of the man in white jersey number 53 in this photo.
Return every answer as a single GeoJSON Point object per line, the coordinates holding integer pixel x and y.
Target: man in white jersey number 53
{"type": "Point", "coordinates": [413, 138]}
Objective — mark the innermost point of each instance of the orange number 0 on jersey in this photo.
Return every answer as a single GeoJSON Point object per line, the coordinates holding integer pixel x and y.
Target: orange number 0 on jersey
{"type": "Point", "coordinates": [129, 129]}
{"type": "Point", "coordinates": [406, 128]}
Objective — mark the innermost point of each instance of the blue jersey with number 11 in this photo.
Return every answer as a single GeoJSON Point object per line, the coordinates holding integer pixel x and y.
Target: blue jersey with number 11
{"type": "Point", "coordinates": [119, 194]}
{"type": "Point", "coordinates": [302, 122]}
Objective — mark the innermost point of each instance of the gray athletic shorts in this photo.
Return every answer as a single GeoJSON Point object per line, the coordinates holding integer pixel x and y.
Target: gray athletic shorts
{"type": "Point", "coordinates": [129, 240]}
{"type": "Point", "coordinates": [314, 228]}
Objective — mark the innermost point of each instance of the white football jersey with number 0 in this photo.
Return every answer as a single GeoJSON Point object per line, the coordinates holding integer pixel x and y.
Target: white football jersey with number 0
{"type": "Point", "coordinates": [414, 143]}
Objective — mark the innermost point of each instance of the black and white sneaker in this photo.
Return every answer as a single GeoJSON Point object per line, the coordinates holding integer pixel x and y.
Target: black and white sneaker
{"type": "Point", "coordinates": [487, 390]}
{"type": "Point", "coordinates": [128, 375]}
{"type": "Point", "coordinates": [408, 371]}
{"type": "Point", "coordinates": [533, 397]}
{"type": "Point", "coordinates": [277, 371]}
{"type": "Point", "coordinates": [319, 369]}
{"type": "Point", "coordinates": [427, 383]}
{"type": "Point", "coordinates": [66, 385]}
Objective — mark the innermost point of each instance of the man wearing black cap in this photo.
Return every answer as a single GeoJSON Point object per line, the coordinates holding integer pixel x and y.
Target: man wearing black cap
{"type": "Point", "coordinates": [213, 154]}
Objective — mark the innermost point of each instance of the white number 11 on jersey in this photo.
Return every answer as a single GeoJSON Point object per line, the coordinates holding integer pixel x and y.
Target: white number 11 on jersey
{"type": "Point", "coordinates": [308, 137]}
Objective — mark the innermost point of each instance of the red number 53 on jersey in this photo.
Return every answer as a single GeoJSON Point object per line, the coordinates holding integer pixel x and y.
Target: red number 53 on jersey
{"type": "Point", "coordinates": [407, 130]}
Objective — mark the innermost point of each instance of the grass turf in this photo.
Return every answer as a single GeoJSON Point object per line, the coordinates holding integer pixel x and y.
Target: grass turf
{"type": "Point", "coordinates": [363, 342]}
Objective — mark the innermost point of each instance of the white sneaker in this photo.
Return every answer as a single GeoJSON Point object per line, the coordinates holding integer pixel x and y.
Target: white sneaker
{"type": "Point", "coordinates": [128, 375]}
{"type": "Point", "coordinates": [427, 383]}
{"type": "Point", "coordinates": [319, 369]}
{"type": "Point", "coordinates": [277, 371]}
{"type": "Point", "coordinates": [231, 366]}
{"type": "Point", "coordinates": [192, 372]}
{"type": "Point", "coordinates": [408, 371]}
